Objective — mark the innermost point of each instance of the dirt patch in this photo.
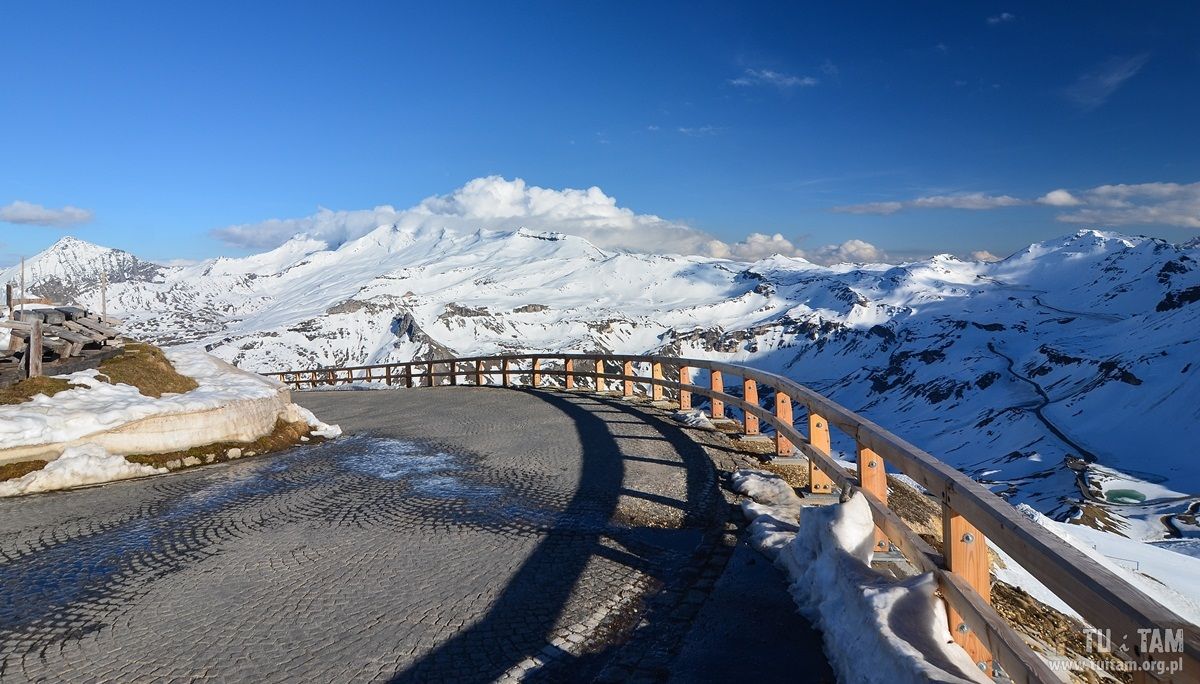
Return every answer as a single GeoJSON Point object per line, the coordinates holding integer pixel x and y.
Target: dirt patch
{"type": "Point", "coordinates": [31, 387]}
{"type": "Point", "coordinates": [145, 367]}
{"type": "Point", "coordinates": [10, 471]}
{"type": "Point", "coordinates": [285, 436]}
{"type": "Point", "coordinates": [795, 475]}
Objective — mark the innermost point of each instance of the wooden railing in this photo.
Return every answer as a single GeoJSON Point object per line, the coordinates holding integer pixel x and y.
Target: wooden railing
{"type": "Point", "coordinates": [971, 514]}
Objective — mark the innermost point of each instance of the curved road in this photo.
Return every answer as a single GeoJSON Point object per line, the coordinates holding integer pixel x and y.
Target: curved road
{"type": "Point", "coordinates": [454, 534]}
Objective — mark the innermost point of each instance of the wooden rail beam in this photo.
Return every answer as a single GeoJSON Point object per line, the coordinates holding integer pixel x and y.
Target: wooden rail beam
{"type": "Point", "coordinates": [750, 395]}
{"type": "Point", "coordinates": [818, 437]}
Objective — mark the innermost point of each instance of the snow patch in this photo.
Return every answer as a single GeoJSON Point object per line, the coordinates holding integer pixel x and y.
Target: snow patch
{"type": "Point", "coordinates": [78, 465]}
{"type": "Point", "coordinates": [694, 418]}
{"type": "Point", "coordinates": [320, 429]}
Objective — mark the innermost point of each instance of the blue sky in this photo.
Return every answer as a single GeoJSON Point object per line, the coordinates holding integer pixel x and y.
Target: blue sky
{"type": "Point", "coordinates": [151, 126]}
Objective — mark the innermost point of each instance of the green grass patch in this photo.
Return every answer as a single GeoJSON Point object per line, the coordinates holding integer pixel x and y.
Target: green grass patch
{"type": "Point", "coordinates": [145, 367]}
{"type": "Point", "coordinates": [31, 387]}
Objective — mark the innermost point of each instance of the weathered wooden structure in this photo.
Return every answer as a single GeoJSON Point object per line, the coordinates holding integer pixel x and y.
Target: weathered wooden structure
{"type": "Point", "coordinates": [53, 340]}
{"type": "Point", "coordinates": [971, 514]}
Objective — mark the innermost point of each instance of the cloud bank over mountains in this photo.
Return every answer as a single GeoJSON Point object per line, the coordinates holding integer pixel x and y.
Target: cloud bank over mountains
{"type": "Point", "coordinates": [496, 203]}
{"type": "Point", "coordinates": [1167, 204]}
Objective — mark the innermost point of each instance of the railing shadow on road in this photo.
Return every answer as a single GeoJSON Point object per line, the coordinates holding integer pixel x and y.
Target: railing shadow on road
{"type": "Point", "coordinates": [540, 590]}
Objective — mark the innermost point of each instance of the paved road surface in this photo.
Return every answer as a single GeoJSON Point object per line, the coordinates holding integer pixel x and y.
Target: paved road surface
{"type": "Point", "coordinates": [454, 534]}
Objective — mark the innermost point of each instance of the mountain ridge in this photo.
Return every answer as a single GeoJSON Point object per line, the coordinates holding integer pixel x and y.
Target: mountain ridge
{"type": "Point", "coordinates": [1025, 372]}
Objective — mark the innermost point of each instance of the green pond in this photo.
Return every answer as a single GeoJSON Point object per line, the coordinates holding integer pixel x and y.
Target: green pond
{"type": "Point", "coordinates": [1124, 496]}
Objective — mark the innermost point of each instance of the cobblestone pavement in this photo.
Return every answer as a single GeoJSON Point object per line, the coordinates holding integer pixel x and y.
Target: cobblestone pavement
{"type": "Point", "coordinates": [454, 534]}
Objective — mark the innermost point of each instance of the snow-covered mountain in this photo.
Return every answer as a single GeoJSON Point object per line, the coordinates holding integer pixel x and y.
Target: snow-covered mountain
{"type": "Point", "coordinates": [1067, 375]}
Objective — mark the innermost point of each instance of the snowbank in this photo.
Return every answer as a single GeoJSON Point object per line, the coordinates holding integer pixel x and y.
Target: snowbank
{"type": "Point", "coordinates": [79, 465]}
{"type": "Point", "coordinates": [876, 628]}
{"type": "Point", "coordinates": [228, 405]}
{"type": "Point", "coordinates": [100, 406]}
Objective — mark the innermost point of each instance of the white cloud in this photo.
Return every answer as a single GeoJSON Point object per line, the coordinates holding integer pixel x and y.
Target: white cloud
{"type": "Point", "coordinates": [1095, 87]}
{"type": "Point", "coordinates": [974, 200]}
{"type": "Point", "coordinates": [984, 255]}
{"type": "Point", "coordinates": [854, 251]}
{"type": "Point", "coordinates": [778, 79]}
{"type": "Point", "coordinates": [1059, 198]}
{"type": "Point", "coordinates": [1170, 204]}
{"type": "Point", "coordinates": [495, 203]}
{"type": "Point", "coordinates": [36, 215]}
{"type": "Point", "coordinates": [1002, 18]}
{"type": "Point", "coordinates": [698, 131]}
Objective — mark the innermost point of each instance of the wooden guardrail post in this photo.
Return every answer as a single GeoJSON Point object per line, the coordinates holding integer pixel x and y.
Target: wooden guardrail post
{"type": "Point", "coordinates": [965, 550]}
{"type": "Point", "coordinates": [783, 411]}
{"type": "Point", "coordinates": [569, 378]}
{"type": "Point", "coordinates": [627, 371]}
{"type": "Point", "coordinates": [535, 378]}
{"type": "Point", "coordinates": [453, 372]}
{"type": "Point", "coordinates": [479, 372]}
{"type": "Point", "coordinates": [716, 384]}
{"type": "Point", "coordinates": [873, 478]}
{"type": "Point", "coordinates": [685, 397]}
{"type": "Point", "coordinates": [818, 438]}
{"type": "Point", "coordinates": [429, 373]}
{"type": "Point", "coordinates": [387, 375]}
{"type": "Point", "coordinates": [408, 382]}
{"type": "Point", "coordinates": [750, 394]}
{"type": "Point", "coordinates": [504, 372]}
{"type": "Point", "coordinates": [656, 375]}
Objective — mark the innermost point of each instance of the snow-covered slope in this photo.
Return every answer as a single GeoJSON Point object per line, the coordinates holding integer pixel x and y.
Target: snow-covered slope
{"type": "Point", "coordinates": [1067, 376]}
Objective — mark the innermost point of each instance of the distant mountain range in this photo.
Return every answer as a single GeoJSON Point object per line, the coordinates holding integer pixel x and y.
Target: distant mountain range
{"type": "Point", "coordinates": [1066, 376]}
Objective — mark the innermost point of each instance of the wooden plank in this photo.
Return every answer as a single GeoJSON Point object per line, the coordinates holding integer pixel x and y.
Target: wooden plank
{"type": "Point", "coordinates": [872, 477]}
{"type": "Point", "coordinates": [716, 384]}
{"type": "Point", "coordinates": [750, 394]}
{"type": "Point", "coordinates": [966, 556]}
{"type": "Point", "coordinates": [656, 377]}
{"type": "Point", "coordinates": [99, 327]}
{"type": "Point", "coordinates": [818, 437]}
{"type": "Point", "coordinates": [87, 332]}
{"type": "Point", "coordinates": [17, 325]}
{"type": "Point", "coordinates": [685, 396]}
